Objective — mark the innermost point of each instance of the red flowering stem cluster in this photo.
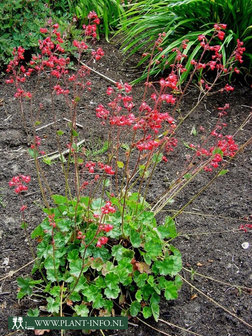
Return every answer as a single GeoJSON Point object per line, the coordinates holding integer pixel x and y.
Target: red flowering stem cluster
{"type": "Point", "coordinates": [53, 61]}
{"type": "Point", "coordinates": [151, 122]}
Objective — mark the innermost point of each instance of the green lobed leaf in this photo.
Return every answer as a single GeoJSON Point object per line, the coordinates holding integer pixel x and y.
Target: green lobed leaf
{"type": "Point", "coordinates": [168, 229]}
{"type": "Point", "coordinates": [98, 301]}
{"type": "Point", "coordinates": [153, 248]}
{"type": "Point", "coordinates": [171, 265]}
{"type": "Point", "coordinates": [147, 312]}
{"type": "Point", "coordinates": [117, 252]}
{"type": "Point", "coordinates": [157, 157]}
{"type": "Point", "coordinates": [81, 285]}
{"type": "Point", "coordinates": [25, 285]}
{"type": "Point", "coordinates": [155, 310]}
{"type": "Point", "coordinates": [112, 293]}
{"type": "Point", "coordinates": [96, 263]}
{"type": "Point", "coordinates": [223, 172]}
{"type": "Point", "coordinates": [73, 255]}
{"type": "Point", "coordinates": [90, 292]}
{"type": "Point", "coordinates": [64, 224]}
{"type": "Point", "coordinates": [59, 199]}
{"type": "Point", "coordinates": [81, 310]}
{"type": "Point", "coordinates": [101, 252]}
{"type": "Point", "coordinates": [171, 291]}
{"type": "Point", "coordinates": [53, 305]}
{"type": "Point", "coordinates": [37, 232]}
{"type": "Point", "coordinates": [33, 312]}
{"type": "Point", "coordinates": [75, 267]}
{"type": "Point", "coordinates": [60, 132]}
{"type": "Point", "coordinates": [74, 133]}
{"type": "Point", "coordinates": [135, 238]}
{"type": "Point", "coordinates": [108, 305]}
{"type": "Point", "coordinates": [120, 164]}
{"type": "Point", "coordinates": [140, 279]}
{"type": "Point", "coordinates": [55, 291]}
{"type": "Point", "coordinates": [52, 275]}
{"type": "Point", "coordinates": [51, 263]}
{"type": "Point", "coordinates": [138, 295]}
{"type": "Point", "coordinates": [75, 297]}
{"type": "Point", "coordinates": [135, 308]}
{"type": "Point", "coordinates": [111, 280]}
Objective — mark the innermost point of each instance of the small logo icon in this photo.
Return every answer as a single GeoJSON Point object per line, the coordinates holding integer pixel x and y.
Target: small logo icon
{"type": "Point", "coordinates": [17, 322]}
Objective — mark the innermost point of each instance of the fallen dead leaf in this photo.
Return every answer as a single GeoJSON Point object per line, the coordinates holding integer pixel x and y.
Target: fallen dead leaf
{"type": "Point", "coordinates": [69, 302]}
{"type": "Point", "coordinates": [143, 267]}
{"type": "Point", "coordinates": [40, 331]}
{"type": "Point", "coordinates": [194, 296]}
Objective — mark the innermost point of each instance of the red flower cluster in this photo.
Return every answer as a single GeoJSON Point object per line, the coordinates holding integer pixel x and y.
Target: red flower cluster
{"type": "Point", "coordinates": [59, 90]}
{"type": "Point", "coordinates": [108, 208]}
{"type": "Point", "coordinates": [102, 112]}
{"type": "Point", "coordinates": [98, 54]}
{"type": "Point", "coordinates": [91, 168]}
{"type": "Point", "coordinates": [245, 227]}
{"type": "Point", "coordinates": [23, 208]}
{"type": "Point", "coordinates": [81, 45]}
{"type": "Point", "coordinates": [239, 51]}
{"type": "Point", "coordinates": [227, 146]}
{"type": "Point", "coordinates": [102, 241]}
{"type": "Point", "coordinates": [108, 169]}
{"type": "Point", "coordinates": [51, 220]}
{"type": "Point", "coordinates": [224, 147]}
{"type": "Point", "coordinates": [17, 182]}
{"type": "Point", "coordinates": [170, 82]}
{"type": "Point", "coordinates": [22, 93]}
{"type": "Point", "coordinates": [216, 63]}
{"type": "Point", "coordinates": [105, 227]}
{"type": "Point", "coordinates": [170, 144]}
{"type": "Point", "coordinates": [90, 29]}
{"type": "Point", "coordinates": [147, 144]}
{"type": "Point", "coordinates": [220, 33]}
{"type": "Point", "coordinates": [80, 235]}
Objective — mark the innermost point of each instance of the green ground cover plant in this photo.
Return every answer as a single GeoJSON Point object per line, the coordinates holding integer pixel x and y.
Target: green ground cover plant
{"type": "Point", "coordinates": [100, 249]}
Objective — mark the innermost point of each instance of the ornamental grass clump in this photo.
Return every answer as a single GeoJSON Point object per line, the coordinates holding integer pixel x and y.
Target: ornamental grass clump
{"type": "Point", "coordinates": [143, 20]}
{"type": "Point", "coordinates": [100, 250]}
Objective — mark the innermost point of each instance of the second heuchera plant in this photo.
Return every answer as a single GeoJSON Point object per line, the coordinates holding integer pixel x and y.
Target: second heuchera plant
{"type": "Point", "coordinates": [102, 252]}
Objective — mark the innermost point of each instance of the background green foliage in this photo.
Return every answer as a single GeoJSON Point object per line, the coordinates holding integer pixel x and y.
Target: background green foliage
{"type": "Point", "coordinates": [109, 11]}
{"type": "Point", "coordinates": [185, 19]}
{"type": "Point", "coordinates": [20, 21]}
{"type": "Point", "coordinates": [141, 22]}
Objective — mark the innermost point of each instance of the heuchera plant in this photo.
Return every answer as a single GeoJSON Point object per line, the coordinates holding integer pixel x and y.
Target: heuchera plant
{"type": "Point", "coordinates": [102, 252]}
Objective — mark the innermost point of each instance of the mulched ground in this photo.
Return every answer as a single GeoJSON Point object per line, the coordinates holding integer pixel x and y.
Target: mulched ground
{"type": "Point", "coordinates": [210, 241]}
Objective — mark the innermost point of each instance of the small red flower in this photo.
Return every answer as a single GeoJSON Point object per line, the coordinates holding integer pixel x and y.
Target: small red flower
{"type": "Point", "coordinates": [23, 208]}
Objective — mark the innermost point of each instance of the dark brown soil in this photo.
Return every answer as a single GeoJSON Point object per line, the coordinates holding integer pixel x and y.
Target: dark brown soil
{"type": "Point", "coordinates": [210, 241]}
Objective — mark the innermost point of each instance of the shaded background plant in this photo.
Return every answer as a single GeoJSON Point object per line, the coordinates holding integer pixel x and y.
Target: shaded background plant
{"type": "Point", "coordinates": [20, 21]}
{"type": "Point", "coordinates": [108, 10]}
{"type": "Point", "coordinates": [185, 19]}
